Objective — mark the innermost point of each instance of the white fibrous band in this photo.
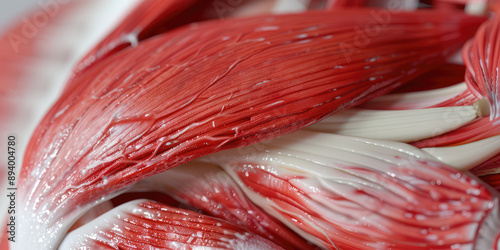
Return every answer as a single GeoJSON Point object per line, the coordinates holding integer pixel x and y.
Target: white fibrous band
{"type": "Point", "coordinates": [346, 192]}
{"type": "Point", "coordinates": [397, 125]}
{"type": "Point", "coordinates": [466, 156]}
{"type": "Point", "coordinates": [207, 187]}
{"type": "Point", "coordinates": [416, 100]}
{"type": "Point", "coordinates": [155, 98]}
{"type": "Point", "coordinates": [141, 224]}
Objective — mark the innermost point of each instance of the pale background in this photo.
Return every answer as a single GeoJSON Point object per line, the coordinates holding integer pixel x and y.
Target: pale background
{"type": "Point", "coordinates": [10, 10]}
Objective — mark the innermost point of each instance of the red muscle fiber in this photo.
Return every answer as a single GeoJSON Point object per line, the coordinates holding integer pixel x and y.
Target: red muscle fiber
{"type": "Point", "coordinates": [213, 86]}
{"type": "Point", "coordinates": [151, 18]}
{"type": "Point", "coordinates": [354, 193]}
{"type": "Point", "coordinates": [216, 194]}
{"type": "Point", "coordinates": [478, 130]}
{"type": "Point", "coordinates": [145, 224]}
{"type": "Point", "coordinates": [141, 23]}
{"type": "Point", "coordinates": [482, 59]}
{"type": "Point", "coordinates": [401, 217]}
{"type": "Point", "coordinates": [488, 171]}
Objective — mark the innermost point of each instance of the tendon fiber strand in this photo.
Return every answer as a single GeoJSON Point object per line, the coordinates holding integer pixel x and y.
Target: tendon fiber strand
{"type": "Point", "coordinates": [186, 93]}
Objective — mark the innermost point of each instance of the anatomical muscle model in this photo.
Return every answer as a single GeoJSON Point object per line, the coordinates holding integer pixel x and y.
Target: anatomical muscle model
{"type": "Point", "coordinates": [168, 85]}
